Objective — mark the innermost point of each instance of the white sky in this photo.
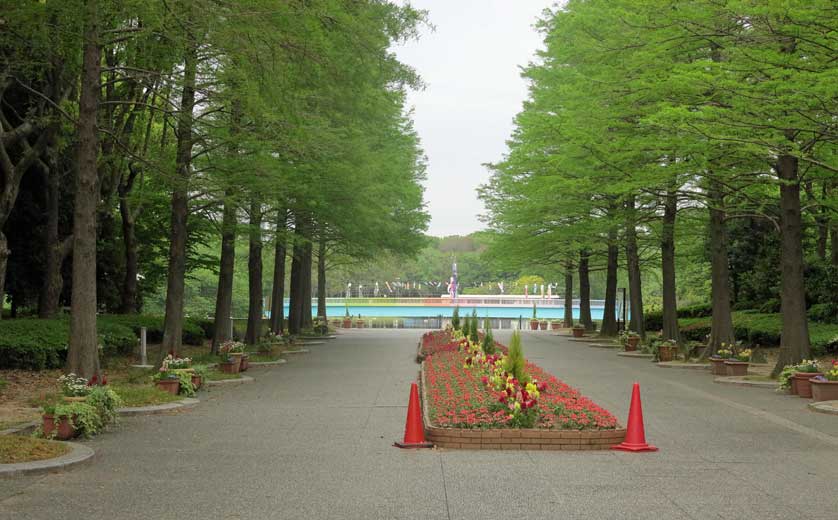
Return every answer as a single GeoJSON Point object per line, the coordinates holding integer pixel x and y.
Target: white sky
{"type": "Point", "coordinates": [470, 64]}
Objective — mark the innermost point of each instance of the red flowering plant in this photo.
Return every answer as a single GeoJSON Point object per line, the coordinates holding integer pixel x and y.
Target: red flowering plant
{"type": "Point", "coordinates": [467, 388]}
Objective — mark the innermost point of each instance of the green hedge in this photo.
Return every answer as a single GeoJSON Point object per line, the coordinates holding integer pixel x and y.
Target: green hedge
{"type": "Point", "coordinates": [38, 344]}
{"type": "Point", "coordinates": [654, 319]}
{"type": "Point", "coordinates": [193, 333]}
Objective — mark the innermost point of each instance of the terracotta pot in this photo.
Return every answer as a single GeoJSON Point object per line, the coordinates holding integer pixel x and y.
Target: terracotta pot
{"type": "Point", "coordinates": [555, 325]}
{"type": "Point", "coordinates": [631, 343]}
{"type": "Point", "coordinates": [359, 324]}
{"type": "Point", "coordinates": [578, 333]}
{"type": "Point", "coordinates": [63, 428]}
{"type": "Point", "coordinates": [347, 323]}
{"type": "Point", "coordinates": [245, 363]}
{"type": "Point", "coordinates": [196, 381]}
{"type": "Point", "coordinates": [543, 324]}
{"type": "Point", "coordinates": [717, 367]}
{"type": "Point", "coordinates": [804, 386]}
{"type": "Point", "coordinates": [824, 390]}
{"type": "Point", "coordinates": [169, 385]}
{"type": "Point", "coordinates": [533, 324]}
{"type": "Point", "coordinates": [736, 368]}
{"type": "Point", "coordinates": [666, 354]}
{"type": "Point", "coordinates": [229, 367]}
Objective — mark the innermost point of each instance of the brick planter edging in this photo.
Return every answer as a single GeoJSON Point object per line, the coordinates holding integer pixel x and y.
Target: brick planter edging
{"type": "Point", "coordinates": [515, 439]}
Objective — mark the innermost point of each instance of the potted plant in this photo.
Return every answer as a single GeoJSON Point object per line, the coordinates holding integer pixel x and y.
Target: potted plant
{"type": "Point", "coordinates": [230, 365]}
{"type": "Point", "coordinates": [347, 320]}
{"type": "Point", "coordinates": [199, 375]}
{"type": "Point", "coordinates": [717, 361]}
{"type": "Point", "coordinates": [233, 350]}
{"type": "Point", "coordinates": [630, 340]}
{"type": "Point", "coordinates": [534, 320]}
{"type": "Point", "coordinates": [555, 325]}
{"type": "Point", "coordinates": [803, 372]}
{"type": "Point", "coordinates": [578, 330]}
{"type": "Point", "coordinates": [67, 420]}
{"type": "Point", "coordinates": [73, 387]}
{"type": "Point", "coordinates": [168, 381]}
{"type": "Point", "coordinates": [55, 426]}
{"type": "Point", "coordinates": [825, 387]}
{"type": "Point", "coordinates": [359, 323]}
{"type": "Point", "coordinates": [738, 365]}
{"type": "Point", "coordinates": [667, 350]}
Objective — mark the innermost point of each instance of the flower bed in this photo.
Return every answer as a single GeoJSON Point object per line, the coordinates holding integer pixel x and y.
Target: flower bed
{"type": "Point", "coordinates": [472, 401]}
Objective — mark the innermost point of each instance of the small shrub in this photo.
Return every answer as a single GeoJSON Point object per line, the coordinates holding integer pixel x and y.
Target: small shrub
{"type": "Point", "coordinates": [488, 344]}
{"type": "Point", "coordinates": [824, 313]}
{"type": "Point", "coordinates": [770, 306]}
{"type": "Point", "coordinates": [515, 364]}
{"type": "Point", "coordinates": [455, 318]}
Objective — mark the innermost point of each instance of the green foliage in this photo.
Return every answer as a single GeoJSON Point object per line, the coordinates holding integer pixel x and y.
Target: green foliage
{"type": "Point", "coordinates": [824, 312]}
{"type": "Point", "coordinates": [474, 335]}
{"type": "Point", "coordinates": [514, 363]}
{"type": "Point", "coordinates": [193, 329]}
{"type": "Point", "coordinates": [534, 316]}
{"type": "Point", "coordinates": [488, 344]}
{"type": "Point", "coordinates": [106, 401]}
{"type": "Point", "coordinates": [455, 318]}
{"type": "Point", "coordinates": [40, 344]}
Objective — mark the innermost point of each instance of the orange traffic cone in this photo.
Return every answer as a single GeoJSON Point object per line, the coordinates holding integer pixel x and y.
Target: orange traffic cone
{"type": "Point", "coordinates": [414, 430]}
{"type": "Point", "coordinates": [635, 433]}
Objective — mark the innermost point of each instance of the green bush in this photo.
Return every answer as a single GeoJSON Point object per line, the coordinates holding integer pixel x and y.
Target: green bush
{"type": "Point", "coordinates": [35, 344]}
{"type": "Point", "coordinates": [824, 312]}
{"type": "Point", "coordinates": [770, 306]}
{"type": "Point", "coordinates": [654, 319]}
{"type": "Point", "coordinates": [193, 333]}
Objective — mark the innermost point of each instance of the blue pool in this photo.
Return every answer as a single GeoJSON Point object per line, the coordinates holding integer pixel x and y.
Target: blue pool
{"type": "Point", "coordinates": [418, 311]}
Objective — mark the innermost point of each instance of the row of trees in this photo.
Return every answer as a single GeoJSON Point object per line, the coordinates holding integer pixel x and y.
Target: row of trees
{"type": "Point", "coordinates": [646, 119]}
{"type": "Point", "coordinates": [132, 133]}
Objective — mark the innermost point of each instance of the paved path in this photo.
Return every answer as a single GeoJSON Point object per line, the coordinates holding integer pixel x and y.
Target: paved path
{"type": "Point", "coordinates": [312, 439]}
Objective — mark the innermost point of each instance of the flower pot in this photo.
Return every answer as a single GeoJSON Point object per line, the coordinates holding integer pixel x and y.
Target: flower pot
{"type": "Point", "coordinates": [717, 367]}
{"type": "Point", "coordinates": [236, 357]}
{"type": "Point", "coordinates": [555, 325]}
{"type": "Point", "coordinates": [533, 324]}
{"type": "Point", "coordinates": [229, 367]}
{"type": "Point", "coordinates": [347, 323]}
{"type": "Point", "coordinates": [359, 324]}
{"type": "Point", "coordinates": [804, 386]}
{"type": "Point", "coordinates": [578, 333]}
{"type": "Point", "coordinates": [824, 390]}
{"type": "Point", "coordinates": [736, 368]}
{"type": "Point", "coordinates": [62, 428]}
{"type": "Point", "coordinates": [665, 353]}
{"type": "Point", "coordinates": [245, 363]}
{"type": "Point", "coordinates": [543, 324]}
{"type": "Point", "coordinates": [169, 385]}
{"type": "Point", "coordinates": [631, 343]}
{"type": "Point", "coordinates": [196, 381]}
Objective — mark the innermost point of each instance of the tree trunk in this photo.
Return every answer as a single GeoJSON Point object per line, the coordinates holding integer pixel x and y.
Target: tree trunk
{"type": "Point", "coordinates": [254, 275]}
{"type": "Point", "coordinates": [305, 284]}
{"type": "Point", "coordinates": [585, 291]}
{"type": "Point", "coordinates": [278, 293]}
{"type": "Point", "coordinates": [794, 341]}
{"type": "Point", "coordinates": [568, 294]}
{"type": "Point", "coordinates": [173, 322]}
{"type": "Point", "coordinates": [224, 294]}
{"type": "Point", "coordinates": [48, 299]}
{"type": "Point", "coordinates": [833, 235]}
{"type": "Point", "coordinates": [637, 322]}
{"type": "Point", "coordinates": [321, 281]}
{"type": "Point", "coordinates": [609, 313]}
{"type": "Point", "coordinates": [721, 328]}
{"type": "Point", "coordinates": [83, 349]}
{"type": "Point", "coordinates": [670, 305]}
{"type": "Point", "coordinates": [4, 262]}
{"type": "Point", "coordinates": [295, 311]}
{"type": "Point", "coordinates": [129, 296]}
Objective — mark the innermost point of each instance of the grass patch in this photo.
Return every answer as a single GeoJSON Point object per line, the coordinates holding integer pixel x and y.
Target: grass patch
{"type": "Point", "coordinates": [263, 358]}
{"type": "Point", "coordinates": [760, 378]}
{"type": "Point", "coordinates": [15, 449]}
{"type": "Point", "coordinates": [144, 395]}
{"type": "Point", "coordinates": [214, 374]}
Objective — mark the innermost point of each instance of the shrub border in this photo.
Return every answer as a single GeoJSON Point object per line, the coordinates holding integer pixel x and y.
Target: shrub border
{"type": "Point", "coordinates": [515, 439]}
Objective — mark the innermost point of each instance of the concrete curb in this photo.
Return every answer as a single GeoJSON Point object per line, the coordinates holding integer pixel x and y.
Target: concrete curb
{"type": "Point", "coordinates": [78, 454]}
{"type": "Point", "coordinates": [602, 345]}
{"type": "Point", "coordinates": [685, 366]}
{"type": "Point", "coordinates": [304, 338]}
{"type": "Point", "coordinates": [129, 411]}
{"type": "Point", "coordinates": [740, 381]}
{"type": "Point", "coordinates": [298, 351]}
{"type": "Point", "coordinates": [222, 382]}
{"type": "Point", "coordinates": [637, 355]}
{"type": "Point", "coordinates": [830, 407]}
{"type": "Point", "coordinates": [267, 363]}
{"type": "Point", "coordinates": [23, 428]}
{"type": "Point", "coordinates": [307, 343]}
